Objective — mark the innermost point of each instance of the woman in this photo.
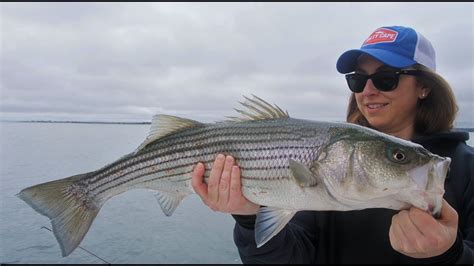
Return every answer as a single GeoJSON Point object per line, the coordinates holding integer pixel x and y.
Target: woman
{"type": "Point", "coordinates": [396, 91]}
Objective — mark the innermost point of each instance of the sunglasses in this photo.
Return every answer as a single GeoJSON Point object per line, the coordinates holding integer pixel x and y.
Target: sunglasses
{"type": "Point", "coordinates": [383, 80]}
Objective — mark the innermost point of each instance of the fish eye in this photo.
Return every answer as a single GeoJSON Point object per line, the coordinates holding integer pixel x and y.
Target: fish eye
{"type": "Point", "coordinates": [398, 156]}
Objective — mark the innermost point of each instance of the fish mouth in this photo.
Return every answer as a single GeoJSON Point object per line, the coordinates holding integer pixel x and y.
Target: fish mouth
{"type": "Point", "coordinates": [429, 190]}
{"type": "Point", "coordinates": [440, 171]}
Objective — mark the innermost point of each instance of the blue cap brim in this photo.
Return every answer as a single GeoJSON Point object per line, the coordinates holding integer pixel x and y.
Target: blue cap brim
{"type": "Point", "coordinates": [348, 60]}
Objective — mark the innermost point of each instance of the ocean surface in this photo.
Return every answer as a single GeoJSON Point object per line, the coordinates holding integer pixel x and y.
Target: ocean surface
{"type": "Point", "coordinates": [130, 228]}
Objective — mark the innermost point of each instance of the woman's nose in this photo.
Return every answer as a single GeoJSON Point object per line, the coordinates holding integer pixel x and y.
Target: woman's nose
{"type": "Point", "coordinates": [369, 88]}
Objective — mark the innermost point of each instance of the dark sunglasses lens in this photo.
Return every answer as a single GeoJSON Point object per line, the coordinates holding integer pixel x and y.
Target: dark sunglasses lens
{"type": "Point", "coordinates": [356, 82]}
{"type": "Point", "coordinates": [385, 81]}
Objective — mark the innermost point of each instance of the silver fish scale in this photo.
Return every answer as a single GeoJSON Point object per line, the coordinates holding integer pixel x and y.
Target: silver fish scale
{"type": "Point", "coordinates": [261, 149]}
{"type": "Point", "coordinates": [169, 146]}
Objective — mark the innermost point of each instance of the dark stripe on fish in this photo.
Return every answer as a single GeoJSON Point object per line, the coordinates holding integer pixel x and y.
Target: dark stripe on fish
{"type": "Point", "coordinates": [187, 165]}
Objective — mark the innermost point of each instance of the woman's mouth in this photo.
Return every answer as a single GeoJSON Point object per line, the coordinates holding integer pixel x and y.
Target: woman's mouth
{"type": "Point", "coordinates": [376, 106]}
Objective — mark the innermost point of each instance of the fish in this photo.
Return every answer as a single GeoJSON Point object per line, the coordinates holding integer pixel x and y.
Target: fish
{"type": "Point", "coordinates": [287, 165]}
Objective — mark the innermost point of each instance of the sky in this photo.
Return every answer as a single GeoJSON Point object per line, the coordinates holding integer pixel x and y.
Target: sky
{"type": "Point", "coordinates": [128, 61]}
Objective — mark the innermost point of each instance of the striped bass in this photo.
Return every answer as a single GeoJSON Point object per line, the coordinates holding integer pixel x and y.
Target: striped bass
{"type": "Point", "coordinates": [287, 165]}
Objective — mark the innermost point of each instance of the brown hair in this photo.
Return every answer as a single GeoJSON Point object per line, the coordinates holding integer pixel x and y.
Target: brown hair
{"type": "Point", "coordinates": [436, 113]}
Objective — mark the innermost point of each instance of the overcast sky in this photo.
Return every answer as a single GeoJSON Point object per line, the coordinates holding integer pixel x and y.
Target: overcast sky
{"type": "Point", "coordinates": [129, 61]}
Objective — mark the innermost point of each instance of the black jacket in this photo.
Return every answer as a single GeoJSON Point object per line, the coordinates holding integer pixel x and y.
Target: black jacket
{"type": "Point", "coordinates": [362, 236]}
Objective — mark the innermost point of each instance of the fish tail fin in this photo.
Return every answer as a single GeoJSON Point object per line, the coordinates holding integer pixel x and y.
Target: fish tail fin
{"type": "Point", "coordinates": [66, 203]}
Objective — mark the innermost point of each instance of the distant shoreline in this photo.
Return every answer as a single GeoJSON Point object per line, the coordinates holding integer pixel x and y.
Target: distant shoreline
{"type": "Point", "coordinates": [76, 122]}
{"type": "Point", "coordinates": [468, 129]}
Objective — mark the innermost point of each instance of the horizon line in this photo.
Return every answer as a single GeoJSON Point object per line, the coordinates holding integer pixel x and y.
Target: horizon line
{"type": "Point", "coordinates": [76, 122]}
{"type": "Point", "coordinates": [469, 129]}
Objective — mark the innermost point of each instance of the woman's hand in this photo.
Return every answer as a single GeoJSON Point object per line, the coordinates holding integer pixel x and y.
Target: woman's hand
{"type": "Point", "coordinates": [223, 191]}
{"type": "Point", "coordinates": [417, 234]}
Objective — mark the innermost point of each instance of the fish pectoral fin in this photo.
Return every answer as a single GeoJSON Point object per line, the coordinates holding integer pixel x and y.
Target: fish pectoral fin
{"type": "Point", "coordinates": [169, 201]}
{"type": "Point", "coordinates": [302, 174]}
{"type": "Point", "coordinates": [269, 222]}
{"type": "Point", "coordinates": [164, 125]}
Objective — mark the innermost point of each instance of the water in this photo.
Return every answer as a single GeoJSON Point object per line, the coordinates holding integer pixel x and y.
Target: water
{"type": "Point", "coordinates": [470, 142]}
{"type": "Point", "coordinates": [130, 228]}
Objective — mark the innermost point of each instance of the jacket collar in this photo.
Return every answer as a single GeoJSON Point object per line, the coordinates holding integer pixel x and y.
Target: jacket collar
{"type": "Point", "coordinates": [453, 135]}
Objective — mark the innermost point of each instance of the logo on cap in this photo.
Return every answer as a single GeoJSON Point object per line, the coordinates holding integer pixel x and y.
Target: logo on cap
{"type": "Point", "coordinates": [381, 35]}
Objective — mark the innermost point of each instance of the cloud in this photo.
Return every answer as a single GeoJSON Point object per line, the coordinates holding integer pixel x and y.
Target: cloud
{"type": "Point", "coordinates": [124, 61]}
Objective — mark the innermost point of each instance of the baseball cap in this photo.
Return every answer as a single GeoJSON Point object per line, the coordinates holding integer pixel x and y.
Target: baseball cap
{"type": "Point", "coordinates": [395, 46]}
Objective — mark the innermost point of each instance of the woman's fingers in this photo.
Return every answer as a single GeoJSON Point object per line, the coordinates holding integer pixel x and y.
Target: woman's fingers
{"type": "Point", "coordinates": [235, 192]}
{"type": "Point", "coordinates": [223, 191]}
{"type": "Point", "coordinates": [224, 184]}
{"type": "Point", "coordinates": [197, 181]}
{"type": "Point", "coordinates": [417, 234]}
{"type": "Point", "coordinates": [213, 182]}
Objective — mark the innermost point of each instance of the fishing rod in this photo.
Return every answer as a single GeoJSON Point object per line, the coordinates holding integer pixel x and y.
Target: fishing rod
{"type": "Point", "coordinates": [81, 248]}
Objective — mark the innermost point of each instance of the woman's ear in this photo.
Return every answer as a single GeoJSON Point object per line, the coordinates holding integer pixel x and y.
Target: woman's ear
{"type": "Point", "coordinates": [424, 93]}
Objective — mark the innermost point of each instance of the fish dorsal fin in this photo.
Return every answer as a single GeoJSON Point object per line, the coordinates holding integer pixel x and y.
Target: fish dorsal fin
{"type": "Point", "coordinates": [169, 201]}
{"type": "Point", "coordinates": [302, 174]}
{"type": "Point", "coordinates": [164, 125]}
{"type": "Point", "coordinates": [269, 222]}
{"type": "Point", "coordinates": [258, 109]}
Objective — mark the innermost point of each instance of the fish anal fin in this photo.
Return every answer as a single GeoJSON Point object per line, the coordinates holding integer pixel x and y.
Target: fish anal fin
{"type": "Point", "coordinates": [270, 221]}
{"type": "Point", "coordinates": [169, 201]}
